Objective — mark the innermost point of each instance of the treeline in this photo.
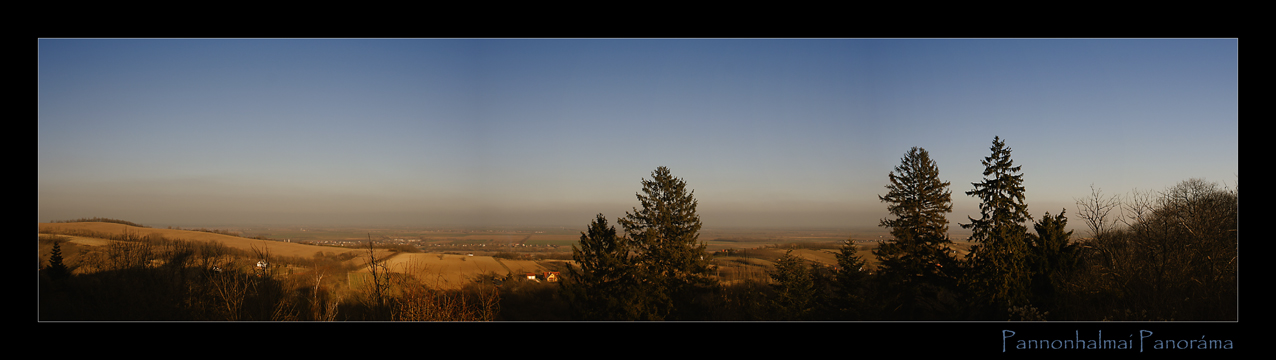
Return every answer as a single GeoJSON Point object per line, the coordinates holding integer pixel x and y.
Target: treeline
{"type": "Point", "coordinates": [211, 231]}
{"type": "Point", "coordinates": [101, 219]}
{"type": "Point", "coordinates": [130, 223]}
{"type": "Point", "coordinates": [222, 232]}
{"type": "Point", "coordinates": [1174, 258]}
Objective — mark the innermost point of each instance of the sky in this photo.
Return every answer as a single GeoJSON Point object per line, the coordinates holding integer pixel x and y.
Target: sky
{"type": "Point", "coordinates": [771, 133]}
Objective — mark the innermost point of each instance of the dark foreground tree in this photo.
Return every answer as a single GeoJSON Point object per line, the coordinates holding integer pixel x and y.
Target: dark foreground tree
{"type": "Point", "coordinates": [794, 287]}
{"type": "Point", "coordinates": [852, 278]}
{"type": "Point", "coordinates": [1054, 258]}
{"type": "Point", "coordinates": [56, 269]}
{"type": "Point", "coordinates": [917, 264]}
{"type": "Point", "coordinates": [997, 268]}
{"type": "Point", "coordinates": [604, 286]}
{"type": "Point", "coordinates": [665, 235]}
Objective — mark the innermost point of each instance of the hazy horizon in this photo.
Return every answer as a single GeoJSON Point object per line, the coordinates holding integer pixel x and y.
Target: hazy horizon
{"type": "Point", "coordinates": [477, 132]}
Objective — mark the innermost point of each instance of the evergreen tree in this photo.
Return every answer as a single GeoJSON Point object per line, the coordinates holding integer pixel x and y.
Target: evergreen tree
{"type": "Point", "coordinates": [795, 288]}
{"type": "Point", "coordinates": [852, 280]}
{"type": "Point", "coordinates": [57, 269]}
{"type": "Point", "coordinates": [603, 287]}
{"type": "Point", "coordinates": [998, 274]}
{"type": "Point", "coordinates": [916, 265]}
{"type": "Point", "coordinates": [918, 200]}
{"type": "Point", "coordinates": [1053, 257]}
{"type": "Point", "coordinates": [851, 267]}
{"type": "Point", "coordinates": [665, 235]}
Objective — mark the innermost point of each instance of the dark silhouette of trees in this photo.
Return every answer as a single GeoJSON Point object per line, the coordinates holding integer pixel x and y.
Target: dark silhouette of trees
{"type": "Point", "coordinates": [57, 270]}
{"type": "Point", "coordinates": [1175, 261]}
{"type": "Point", "coordinates": [853, 284]}
{"type": "Point", "coordinates": [916, 266]}
{"type": "Point", "coordinates": [153, 278]}
{"type": "Point", "coordinates": [997, 267]}
{"type": "Point", "coordinates": [664, 236]}
{"type": "Point", "coordinates": [604, 285]}
{"type": "Point", "coordinates": [1054, 258]}
{"type": "Point", "coordinates": [795, 288]}
{"type": "Point", "coordinates": [102, 219]}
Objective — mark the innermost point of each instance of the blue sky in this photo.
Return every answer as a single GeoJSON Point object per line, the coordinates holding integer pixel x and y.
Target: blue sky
{"type": "Point", "coordinates": [549, 132]}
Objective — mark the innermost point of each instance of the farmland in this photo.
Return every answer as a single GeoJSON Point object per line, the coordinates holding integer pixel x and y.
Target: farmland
{"type": "Point", "coordinates": [280, 248]}
{"type": "Point", "coordinates": [449, 271]}
{"type": "Point", "coordinates": [451, 258]}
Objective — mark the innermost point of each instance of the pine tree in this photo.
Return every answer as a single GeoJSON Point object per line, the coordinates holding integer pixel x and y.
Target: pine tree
{"type": "Point", "coordinates": [603, 287]}
{"type": "Point", "coordinates": [1053, 257]}
{"type": "Point", "coordinates": [852, 281]}
{"type": "Point", "coordinates": [918, 200]}
{"type": "Point", "coordinates": [915, 265]}
{"type": "Point", "coordinates": [795, 288]}
{"type": "Point", "coordinates": [998, 272]}
{"type": "Point", "coordinates": [665, 235]}
{"type": "Point", "coordinates": [851, 267]}
{"type": "Point", "coordinates": [57, 269]}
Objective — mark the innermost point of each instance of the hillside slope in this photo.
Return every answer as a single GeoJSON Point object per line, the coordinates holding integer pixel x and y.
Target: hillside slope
{"type": "Point", "coordinates": [275, 247]}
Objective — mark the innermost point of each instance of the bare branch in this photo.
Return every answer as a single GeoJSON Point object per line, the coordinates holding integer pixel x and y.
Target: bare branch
{"type": "Point", "coordinates": [1096, 209]}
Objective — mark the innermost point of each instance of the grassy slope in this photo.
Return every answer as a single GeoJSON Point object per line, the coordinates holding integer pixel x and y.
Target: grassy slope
{"type": "Point", "coordinates": [275, 247]}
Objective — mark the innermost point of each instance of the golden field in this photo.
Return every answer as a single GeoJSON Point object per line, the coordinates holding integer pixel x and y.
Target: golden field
{"type": "Point", "coordinates": [276, 248]}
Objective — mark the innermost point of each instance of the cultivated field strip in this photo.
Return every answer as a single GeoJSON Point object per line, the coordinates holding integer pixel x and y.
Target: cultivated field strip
{"type": "Point", "coordinates": [447, 271]}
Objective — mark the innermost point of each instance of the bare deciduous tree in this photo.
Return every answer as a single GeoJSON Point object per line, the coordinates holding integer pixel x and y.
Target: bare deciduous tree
{"type": "Point", "coordinates": [264, 264]}
{"type": "Point", "coordinates": [1176, 260]}
{"type": "Point", "coordinates": [380, 279]}
{"type": "Point", "coordinates": [130, 252]}
{"type": "Point", "coordinates": [229, 289]}
{"type": "Point", "coordinates": [1096, 209]}
{"type": "Point", "coordinates": [1138, 207]}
